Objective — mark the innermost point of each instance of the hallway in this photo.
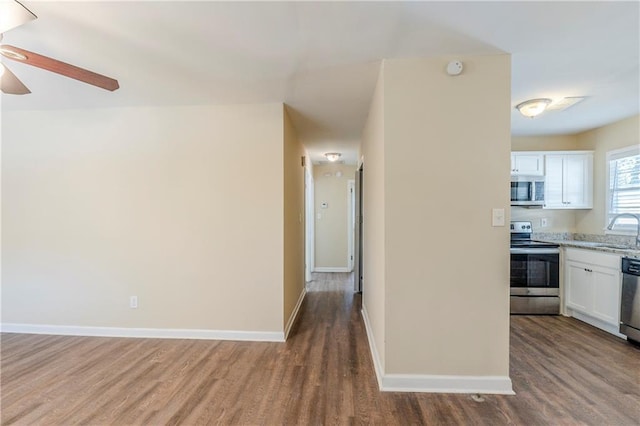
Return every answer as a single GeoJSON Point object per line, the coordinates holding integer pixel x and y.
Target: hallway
{"type": "Point", "coordinates": [564, 372]}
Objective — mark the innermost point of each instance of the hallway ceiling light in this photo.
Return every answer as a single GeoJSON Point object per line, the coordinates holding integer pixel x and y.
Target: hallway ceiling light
{"type": "Point", "coordinates": [333, 156]}
{"type": "Point", "coordinates": [533, 107]}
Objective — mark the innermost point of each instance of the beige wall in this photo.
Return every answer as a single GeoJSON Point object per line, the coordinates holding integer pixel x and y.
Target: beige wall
{"type": "Point", "coordinates": [374, 230]}
{"type": "Point", "coordinates": [440, 319]}
{"type": "Point", "coordinates": [331, 235]}
{"type": "Point", "coordinates": [294, 218]}
{"type": "Point", "coordinates": [557, 220]}
{"type": "Point", "coordinates": [545, 143]}
{"type": "Point", "coordinates": [182, 207]}
{"type": "Point", "coordinates": [607, 138]}
{"type": "Point", "coordinates": [436, 310]}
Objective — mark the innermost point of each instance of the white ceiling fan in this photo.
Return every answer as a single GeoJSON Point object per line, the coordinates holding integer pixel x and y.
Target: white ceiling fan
{"type": "Point", "coordinates": [14, 14]}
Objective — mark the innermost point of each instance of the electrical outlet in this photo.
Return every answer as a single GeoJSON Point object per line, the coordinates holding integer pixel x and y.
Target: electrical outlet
{"type": "Point", "coordinates": [133, 302]}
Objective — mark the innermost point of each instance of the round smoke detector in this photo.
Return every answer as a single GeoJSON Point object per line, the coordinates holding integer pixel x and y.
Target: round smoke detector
{"type": "Point", "coordinates": [454, 68]}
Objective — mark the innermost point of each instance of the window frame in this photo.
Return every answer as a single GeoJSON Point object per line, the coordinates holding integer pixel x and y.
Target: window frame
{"type": "Point", "coordinates": [616, 154]}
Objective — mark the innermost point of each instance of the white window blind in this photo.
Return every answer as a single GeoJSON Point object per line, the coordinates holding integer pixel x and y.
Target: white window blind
{"type": "Point", "coordinates": [623, 195]}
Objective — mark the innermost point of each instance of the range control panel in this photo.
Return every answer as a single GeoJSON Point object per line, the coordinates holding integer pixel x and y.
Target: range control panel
{"type": "Point", "coordinates": [521, 227]}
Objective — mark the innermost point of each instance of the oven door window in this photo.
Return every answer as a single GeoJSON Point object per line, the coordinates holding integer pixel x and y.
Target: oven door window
{"type": "Point", "coordinates": [535, 270]}
{"type": "Point", "coordinates": [521, 191]}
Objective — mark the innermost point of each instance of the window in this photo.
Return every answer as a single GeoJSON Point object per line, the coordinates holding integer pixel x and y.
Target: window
{"type": "Point", "coordinates": [623, 189]}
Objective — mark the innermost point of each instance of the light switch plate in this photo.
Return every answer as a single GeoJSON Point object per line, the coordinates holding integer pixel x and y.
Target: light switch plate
{"type": "Point", "coordinates": [497, 217]}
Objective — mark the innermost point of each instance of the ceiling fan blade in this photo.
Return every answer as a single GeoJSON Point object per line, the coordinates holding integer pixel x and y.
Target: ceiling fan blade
{"type": "Point", "coordinates": [59, 67]}
{"type": "Point", "coordinates": [11, 85]}
{"type": "Point", "coordinates": [13, 14]}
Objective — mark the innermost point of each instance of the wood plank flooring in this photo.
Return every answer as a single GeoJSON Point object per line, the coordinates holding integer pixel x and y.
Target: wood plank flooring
{"type": "Point", "coordinates": [564, 373]}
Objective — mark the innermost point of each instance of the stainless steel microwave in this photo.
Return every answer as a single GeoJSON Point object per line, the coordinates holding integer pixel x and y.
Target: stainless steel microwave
{"type": "Point", "coordinates": [527, 191]}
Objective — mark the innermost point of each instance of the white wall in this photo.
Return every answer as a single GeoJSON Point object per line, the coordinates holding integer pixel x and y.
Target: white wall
{"type": "Point", "coordinates": [182, 207]}
{"type": "Point", "coordinates": [331, 226]}
{"type": "Point", "coordinates": [446, 323]}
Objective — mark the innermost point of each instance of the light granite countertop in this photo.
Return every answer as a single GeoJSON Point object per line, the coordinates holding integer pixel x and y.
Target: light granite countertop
{"type": "Point", "coordinates": [622, 245]}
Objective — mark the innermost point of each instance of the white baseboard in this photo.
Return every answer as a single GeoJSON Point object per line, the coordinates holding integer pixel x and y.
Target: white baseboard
{"type": "Point", "coordinates": [377, 365]}
{"type": "Point", "coordinates": [331, 269]}
{"type": "Point", "coordinates": [447, 384]}
{"type": "Point", "coordinates": [433, 383]}
{"type": "Point", "coordinates": [154, 333]}
{"type": "Point", "coordinates": [294, 314]}
{"type": "Point", "coordinates": [602, 325]}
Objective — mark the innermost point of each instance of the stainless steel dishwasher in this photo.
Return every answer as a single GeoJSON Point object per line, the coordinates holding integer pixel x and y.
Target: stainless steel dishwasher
{"type": "Point", "coordinates": [630, 301]}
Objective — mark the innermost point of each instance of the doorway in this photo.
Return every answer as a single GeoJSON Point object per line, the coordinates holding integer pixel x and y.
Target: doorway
{"type": "Point", "coordinates": [351, 222]}
{"type": "Point", "coordinates": [357, 269]}
{"type": "Point", "coordinates": [309, 225]}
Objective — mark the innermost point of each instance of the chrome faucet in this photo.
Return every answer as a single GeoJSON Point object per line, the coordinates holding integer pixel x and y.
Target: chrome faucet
{"type": "Point", "coordinates": [635, 216]}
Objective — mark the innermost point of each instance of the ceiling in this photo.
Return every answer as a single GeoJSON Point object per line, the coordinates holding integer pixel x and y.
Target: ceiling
{"type": "Point", "coordinates": [322, 58]}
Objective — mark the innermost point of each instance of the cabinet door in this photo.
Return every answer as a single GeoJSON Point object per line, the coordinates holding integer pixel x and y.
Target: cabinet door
{"type": "Point", "coordinates": [576, 178]}
{"type": "Point", "coordinates": [553, 196]}
{"type": "Point", "coordinates": [568, 181]}
{"type": "Point", "coordinates": [579, 287]}
{"type": "Point", "coordinates": [527, 164]}
{"type": "Point", "coordinates": [606, 295]}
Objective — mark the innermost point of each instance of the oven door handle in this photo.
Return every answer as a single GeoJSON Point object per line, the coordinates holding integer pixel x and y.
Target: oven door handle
{"type": "Point", "coordinates": [534, 251]}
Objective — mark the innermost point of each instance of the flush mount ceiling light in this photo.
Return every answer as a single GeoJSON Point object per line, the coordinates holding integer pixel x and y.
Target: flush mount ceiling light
{"type": "Point", "coordinates": [565, 103]}
{"type": "Point", "coordinates": [333, 156]}
{"type": "Point", "coordinates": [533, 107]}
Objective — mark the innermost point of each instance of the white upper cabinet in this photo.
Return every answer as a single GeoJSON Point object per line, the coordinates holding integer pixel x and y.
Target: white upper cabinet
{"type": "Point", "coordinates": [569, 180]}
{"type": "Point", "coordinates": [527, 163]}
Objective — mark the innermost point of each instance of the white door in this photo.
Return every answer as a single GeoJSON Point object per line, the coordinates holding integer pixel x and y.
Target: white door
{"type": "Point", "coordinates": [309, 226]}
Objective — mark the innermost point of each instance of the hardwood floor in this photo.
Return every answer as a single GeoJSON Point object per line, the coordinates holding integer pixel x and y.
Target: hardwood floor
{"type": "Point", "coordinates": [564, 373]}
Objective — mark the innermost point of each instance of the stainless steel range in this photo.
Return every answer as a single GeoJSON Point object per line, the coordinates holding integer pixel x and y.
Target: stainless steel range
{"type": "Point", "coordinates": [535, 273]}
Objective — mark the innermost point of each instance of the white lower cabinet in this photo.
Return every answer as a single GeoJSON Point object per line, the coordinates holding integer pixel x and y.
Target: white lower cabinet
{"type": "Point", "coordinates": [592, 285]}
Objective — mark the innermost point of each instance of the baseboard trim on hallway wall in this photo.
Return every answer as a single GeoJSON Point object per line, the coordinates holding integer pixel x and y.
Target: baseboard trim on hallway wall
{"type": "Point", "coordinates": [377, 365]}
{"type": "Point", "coordinates": [294, 314]}
{"type": "Point", "coordinates": [433, 383]}
{"type": "Point", "coordinates": [151, 333]}
{"type": "Point", "coordinates": [330, 269]}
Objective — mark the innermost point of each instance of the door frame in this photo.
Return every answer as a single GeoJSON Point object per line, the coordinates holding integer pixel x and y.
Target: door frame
{"type": "Point", "coordinates": [351, 222]}
{"type": "Point", "coordinates": [309, 225]}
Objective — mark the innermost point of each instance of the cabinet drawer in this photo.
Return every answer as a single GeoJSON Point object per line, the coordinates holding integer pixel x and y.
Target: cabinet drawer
{"type": "Point", "coordinates": [591, 257]}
